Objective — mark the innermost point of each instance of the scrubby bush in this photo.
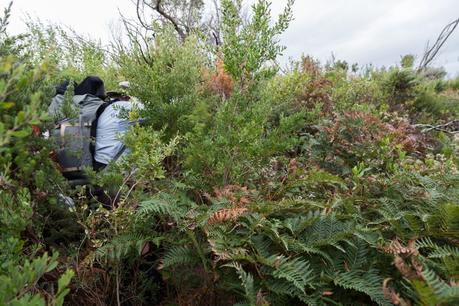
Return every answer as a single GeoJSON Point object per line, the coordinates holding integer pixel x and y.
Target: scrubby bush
{"type": "Point", "coordinates": [25, 176]}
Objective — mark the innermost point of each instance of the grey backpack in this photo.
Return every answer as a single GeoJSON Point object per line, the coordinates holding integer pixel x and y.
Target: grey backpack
{"type": "Point", "coordinates": [72, 138]}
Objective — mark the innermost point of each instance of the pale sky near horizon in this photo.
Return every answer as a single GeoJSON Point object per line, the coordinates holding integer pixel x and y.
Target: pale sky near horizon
{"type": "Point", "coordinates": [361, 31]}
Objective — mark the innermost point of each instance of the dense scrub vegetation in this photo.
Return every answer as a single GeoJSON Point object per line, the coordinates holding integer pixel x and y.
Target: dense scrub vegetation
{"type": "Point", "coordinates": [246, 185]}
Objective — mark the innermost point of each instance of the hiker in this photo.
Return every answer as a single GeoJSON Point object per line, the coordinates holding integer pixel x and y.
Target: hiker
{"type": "Point", "coordinates": [72, 135]}
{"type": "Point", "coordinates": [89, 95]}
{"type": "Point", "coordinates": [112, 123]}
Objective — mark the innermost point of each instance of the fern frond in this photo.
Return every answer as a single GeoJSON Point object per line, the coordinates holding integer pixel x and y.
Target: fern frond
{"type": "Point", "coordinates": [262, 245]}
{"type": "Point", "coordinates": [175, 206]}
{"type": "Point", "coordinates": [119, 247]}
{"type": "Point", "coordinates": [298, 224]}
{"type": "Point", "coordinates": [296, 271]}
{"type": "Point", "coordinates": [357, 257]}
{"type": "Point", "coordinates": [283, 288]}
{"type": "Point", "coordinates": [299, 247]}
{"type": "Point", "coordinates": [159, 207]}
{"type": "Point", "coordinates": [246, 281]}
{"type": "Point", "coordinates": [224, 247]}
{"type": "Point", "coordinates": [445, 292]}
{"type": "Point", "coordinates": [444, 222]}
{"type": "Point", "coordinates": [329, 231]}
{"type": "Point", "coordinates": [179, 256]}
{"type": "Point", "coordinates": [437, 251]}
{"type": "Point", "coordinates": [368, 282]}
{"type": "Point", "coordinates": [226, 214]}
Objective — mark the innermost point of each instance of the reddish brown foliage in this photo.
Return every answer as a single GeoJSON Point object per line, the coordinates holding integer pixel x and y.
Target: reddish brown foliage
{"type": "Point", "coordinates": [405, 259]}
{"type": "Point", "coordinates": [410, 139]}
{"type": "Point", "coordinates": [221, 82]}
{"type": "Point", "coordinates": [396, 248]}
{"type": "Point", "coordinates": [223, 215]}
{"type": "Point", "coordinates": [354, 129]}
{"type": "Point", "coordinates": [390, 294]}
{"type": "Point", "coordinates": [315, 92]}
{"type": "Point", "coordinates": [311, 66]}
{"type": "Point", "coordinates": [236, 195]}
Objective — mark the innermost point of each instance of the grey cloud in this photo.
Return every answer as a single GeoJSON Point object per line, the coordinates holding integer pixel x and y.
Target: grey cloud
{"type": "Point", "coordinates": [365, 31]}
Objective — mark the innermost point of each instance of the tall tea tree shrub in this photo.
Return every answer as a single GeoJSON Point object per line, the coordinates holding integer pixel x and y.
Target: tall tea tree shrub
{"type": "Point", "coordinates": [232, 143]}
{"type": "Point", "coordinates": [26, 174]}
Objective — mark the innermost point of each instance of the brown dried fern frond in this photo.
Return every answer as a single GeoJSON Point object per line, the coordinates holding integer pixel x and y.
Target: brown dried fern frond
{"type": "Point", "coordinates": [396, 248]}
{"type": "Point", "coordinates": [261, 299]}
{"type": "Point", "coordinates": [237, 195]}
{"type": "Point", "coordinates": [226, 214]}
{"type": "Point", "coordinates": [390, 294]}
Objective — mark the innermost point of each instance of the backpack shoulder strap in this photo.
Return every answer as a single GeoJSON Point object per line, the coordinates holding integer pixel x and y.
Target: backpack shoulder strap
{"type": "Point", "coordinates": [100, 110]}
{"type": "Point", "coordinates": [120, 152]}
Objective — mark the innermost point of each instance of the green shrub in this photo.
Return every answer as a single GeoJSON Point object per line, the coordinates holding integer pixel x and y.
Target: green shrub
{"type": "Point", "coordinates": [168, 86]}
{"type": "Point", "coordinates": [26, 172]}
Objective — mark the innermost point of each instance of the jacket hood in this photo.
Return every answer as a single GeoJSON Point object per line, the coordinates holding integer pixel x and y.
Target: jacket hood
{"type": "Point", "coordinates": [88, 105]}
{"type": "Point", "coordinates": [92, 85]}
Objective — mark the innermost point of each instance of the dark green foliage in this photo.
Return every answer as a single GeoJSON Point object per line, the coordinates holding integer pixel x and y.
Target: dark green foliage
{"type": "Point", "coordinates": [25, 176]}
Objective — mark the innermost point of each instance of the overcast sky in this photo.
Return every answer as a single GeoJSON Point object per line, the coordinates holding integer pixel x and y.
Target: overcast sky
{"type": "Point", "coordinates": [361, 31]}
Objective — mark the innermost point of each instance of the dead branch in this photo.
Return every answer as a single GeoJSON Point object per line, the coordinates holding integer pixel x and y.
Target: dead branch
{"type": "Point", "coordinates": [451, 127]}
{"type": "Point", "coordinates": [432, 52]}
{"type": "Point", "coordinates": [175, 23]}
{"type": "Point", "coordinates": [141, 15]}
{"type": "Point", "coordinates": [184, 17]}
{"type": "Point", "coordinates": [138, 40]}
{"type": "Point", "coordinates": [214, 24]}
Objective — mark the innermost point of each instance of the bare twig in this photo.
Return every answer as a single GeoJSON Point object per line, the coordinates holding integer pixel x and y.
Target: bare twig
{"type": "Point", "coordinates": [441, 128]}
{"type": "Point", "coordinates": [171, 19]}
{"type": "Point", "coordinates": [138, 39]}
{"type": "Point", "coordinates": [141, 15]}
{"type": "Point", "coordinates": [125, 181]}
{"type": "Point", "coordinates": [214, 25]}
{"type": "Point", "coordinates": [432, 52]}
{"type": "Point", "coordinates": [118, 301]}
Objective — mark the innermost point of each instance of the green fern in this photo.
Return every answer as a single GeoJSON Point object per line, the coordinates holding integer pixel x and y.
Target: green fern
{"type": "Point", "coordinates": [352, 270]}
{"type": "Point", "coordinates": [298, 247]}
{"type": "Point", "coordinates": [368, 282]}
{"type": "Point", "coordinates": [298, 224]}
{"type": "Point", "coordinates": [329, 231]}
{"type": "Point", "coordinates": [444, 221]}
{"type": "Point", "coordinates": [179, 256]}
{"type": "Point", "coordinates": [119, 247]}
{"type": "Point", "coordinates": [162, 205]}
{"type": "Point", "coordinates": [445, 293]}
{"type": "Point", "coordinates": [436, 250]}
{"type": "Point", "coordinates": [247, 283]}
{"type": "Point", "coordinates": [296, 271]}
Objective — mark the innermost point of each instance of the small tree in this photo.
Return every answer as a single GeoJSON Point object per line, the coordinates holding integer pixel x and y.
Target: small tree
{"type": "Point", "coordinates": [249, 46]}
{"type": "Point", "coordinates": [407, 61]}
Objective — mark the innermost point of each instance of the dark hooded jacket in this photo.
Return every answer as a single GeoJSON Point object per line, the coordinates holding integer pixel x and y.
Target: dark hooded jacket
{"type": "Point", "coordinates": [92, 85]}
{"type": "Point", "coordinates": [88, 96]}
